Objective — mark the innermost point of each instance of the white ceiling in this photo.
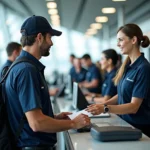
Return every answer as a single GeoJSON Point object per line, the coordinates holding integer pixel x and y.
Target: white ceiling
{"type": "Point", "coordinates": [79, 14]}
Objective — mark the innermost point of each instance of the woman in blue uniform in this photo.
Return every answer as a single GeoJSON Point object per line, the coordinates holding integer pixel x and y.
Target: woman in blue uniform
{"type": "Point", "coordinates": [108, 63]}
{"type": "Point", "coordinates": [132, 80]}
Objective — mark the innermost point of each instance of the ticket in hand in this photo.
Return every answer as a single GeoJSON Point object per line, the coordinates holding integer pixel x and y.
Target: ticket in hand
{"type": "Point", "coordinates": [75, 114]}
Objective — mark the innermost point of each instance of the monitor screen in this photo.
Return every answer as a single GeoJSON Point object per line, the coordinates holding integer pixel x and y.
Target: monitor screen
{"type": "Point", "coordinates": [79, 101]}
{"type": "Point", "coordinates": [69, 85]}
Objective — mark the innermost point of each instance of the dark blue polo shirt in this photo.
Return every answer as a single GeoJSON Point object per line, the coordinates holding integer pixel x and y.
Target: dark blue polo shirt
{"type": "Point", "coordinates": [71, 70]}
{"type": "Point", "coordinates": [78, 76]}
{"type": "Point", "coordinates": [25, 91]}
{"type": "Point", "coordinates": [136, 83]}
{"type": "Point", "coordinates": [108, 87]}
{"type": "Point", "coordinates": [7, 64]}
{"type": "Point", "coordinates": [94, 73]}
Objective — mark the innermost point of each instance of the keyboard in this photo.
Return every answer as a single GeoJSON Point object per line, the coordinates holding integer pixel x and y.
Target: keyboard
{"type": "Point", "coordinates": [102, 115]}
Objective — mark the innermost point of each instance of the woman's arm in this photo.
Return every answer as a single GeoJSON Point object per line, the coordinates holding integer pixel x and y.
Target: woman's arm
{"type": "Point", "coordinates": [112, 101]}
{"type": "Point", "coordinates": [129, 108]}
{"type": "Point", "coordinates": [103, 100]}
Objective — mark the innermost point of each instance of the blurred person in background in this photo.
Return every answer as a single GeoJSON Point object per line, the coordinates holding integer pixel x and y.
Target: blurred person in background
{"type": "Point", "coordinates": [102, 72]}
{"type": "Point", "coordinates": [71, 58]}
{"type": "Point", "coordinates": [78, 73]}
{"type": "Point", "coordinates": [93, 81]}
{"type": "Point", "coordinates": [13, 50]}
{"type": "Point", "coordinates": [119, 62]}
{"type": "Point", "coordinates": [109, 59]}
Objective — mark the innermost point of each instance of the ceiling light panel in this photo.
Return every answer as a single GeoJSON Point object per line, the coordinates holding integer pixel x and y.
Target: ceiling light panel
{"type": "Point", "coordinates": [96, 25]}
{"type": "Point", "coordinates": [118, 0]}
{"type": "Point", "coordinates": [109, 10]}
{"type": "Point", "coordinates": [101, 19]}
{"type": "Point", "coordinates": [53, 11]}
{"type": "Point", "coordinates": [51, 5]}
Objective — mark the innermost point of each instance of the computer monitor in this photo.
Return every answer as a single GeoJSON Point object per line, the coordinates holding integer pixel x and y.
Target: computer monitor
{"type": "Point", "coordinates": [69, 88]}
{"type": "Point", "coordinates": [70, 84]}
{"type": "Point", "coordinates": [61, 91]}
{"type": "Point", "coordinates": [79, 102]}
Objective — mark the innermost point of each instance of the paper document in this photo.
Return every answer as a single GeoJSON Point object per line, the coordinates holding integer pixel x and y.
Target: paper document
{"type": "Point", "coordinates": [75, 114]}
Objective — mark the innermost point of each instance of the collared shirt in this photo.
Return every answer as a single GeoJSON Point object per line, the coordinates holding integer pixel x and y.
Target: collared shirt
{"type": "Point", "coordinates": [78, 76]}
{"type": "Point", "coordinates": [136, 83]}
{"type": "Point", "coordinates": [7, 64]}
{"type": "Point", "coordinates": [94, 73]}
{"type": "Point", "coordinates": [25, 91]}
{"type": "Point", "coordinates": [108, 87]}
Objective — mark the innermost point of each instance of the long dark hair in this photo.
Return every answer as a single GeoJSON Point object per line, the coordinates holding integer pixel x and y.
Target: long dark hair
{"type": "Point", "coordinates": [111, 54]}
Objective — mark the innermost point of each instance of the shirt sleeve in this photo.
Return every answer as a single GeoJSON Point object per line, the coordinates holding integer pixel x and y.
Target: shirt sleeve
{"type": "Point", "coordinates": [28, 88]}
{"type": "Point", "coordinates": [96, 74]}
{"type": "Point", "coordinates": [142, 83]}
{"type": "Point", "coordinates": [111, 90]}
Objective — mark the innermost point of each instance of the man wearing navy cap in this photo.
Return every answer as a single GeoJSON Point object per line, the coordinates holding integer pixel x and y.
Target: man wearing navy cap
{"type": "Point", "coordinates": [27, 92]}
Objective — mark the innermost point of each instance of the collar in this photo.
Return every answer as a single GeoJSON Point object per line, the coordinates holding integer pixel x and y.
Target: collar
{"type": "Point", "coordinates": [91, 66]}
{"type": "Point", "coordinates": [111, 72]}
{"type": "Point", "coordinates": [40, 66]}
{"type": "Point", "coordinates": [8, 61]}
{"type": "Point", "coordinates": [137, 62]}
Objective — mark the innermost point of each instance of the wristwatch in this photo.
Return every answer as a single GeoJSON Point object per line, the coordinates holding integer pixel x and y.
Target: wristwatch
{"type": "Point", "coordinates": [93, 98]}
{"type": "Point", "coordinates": [106, 109]}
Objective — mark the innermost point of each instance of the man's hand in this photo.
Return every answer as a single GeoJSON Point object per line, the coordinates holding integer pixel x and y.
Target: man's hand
{"type": "Point", "coordinates": [81, 121]}
{"type": "Point", "coordinates": [63, 115]}
{"type": "Point", "coordinates": [53, 92]}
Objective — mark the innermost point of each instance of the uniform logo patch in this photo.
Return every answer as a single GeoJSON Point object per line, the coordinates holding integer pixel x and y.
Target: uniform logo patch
{"type": "Point", "coordinates": [130, 80]}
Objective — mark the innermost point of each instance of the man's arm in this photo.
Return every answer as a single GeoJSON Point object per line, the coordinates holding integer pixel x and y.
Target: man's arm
{"type": "Point", "coordinates": [39, 122]}
{"type": "Point", "coordinates": [93, 84]}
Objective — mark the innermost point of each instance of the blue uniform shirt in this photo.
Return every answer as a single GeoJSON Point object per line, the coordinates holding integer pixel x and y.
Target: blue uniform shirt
{"type": "Point", "coordinates": [78, 76]}
{"type": "Point", "coordinates": [108, 87]}
{"type": "Point", "coordinates": [26, 91]}
{"type": "Point", "coordinates": [94, 73]}
{"type": "Point", "coordinates": [7, 64]}
{"type": "Point", "coordinates": [136, 83]}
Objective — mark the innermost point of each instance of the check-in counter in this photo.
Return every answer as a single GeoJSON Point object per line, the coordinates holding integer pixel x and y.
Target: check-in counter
{"type": "Point", "coordinates": [72, 140]}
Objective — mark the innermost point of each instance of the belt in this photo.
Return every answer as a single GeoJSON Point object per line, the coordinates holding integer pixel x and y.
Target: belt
{"type": "Point", "coordinates": [38, 148]}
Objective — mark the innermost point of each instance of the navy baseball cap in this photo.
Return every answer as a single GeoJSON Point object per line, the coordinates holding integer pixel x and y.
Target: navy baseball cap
{"type": "Point", "coordinates": [37, 24]}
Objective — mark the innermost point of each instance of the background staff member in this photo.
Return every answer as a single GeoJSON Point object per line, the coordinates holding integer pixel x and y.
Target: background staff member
{"type": "Point", "coordinates": [108, 63]}
{"type": "Point", "coordinates": [93, 81]}
{"type": "Point", "coordinates": [13, 50]}
{"type": "Point", "coordinates": [71, 58]}
{"type": "Point", "coordinates": [133, 81]}
{"type": "Point", "coordinates": [78, 73]}
{"type": "Point", "coordinates": [27, 92]}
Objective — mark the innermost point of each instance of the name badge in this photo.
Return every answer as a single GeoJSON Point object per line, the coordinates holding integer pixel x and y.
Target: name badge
{"type": "Point", "coordinates": [42, 87]}
{"type": "Point", "coordinates": [104, 85]}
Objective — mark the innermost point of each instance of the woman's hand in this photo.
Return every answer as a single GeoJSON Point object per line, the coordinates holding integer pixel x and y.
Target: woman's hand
{"type": "Point", "coordinates": [95, 109]}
